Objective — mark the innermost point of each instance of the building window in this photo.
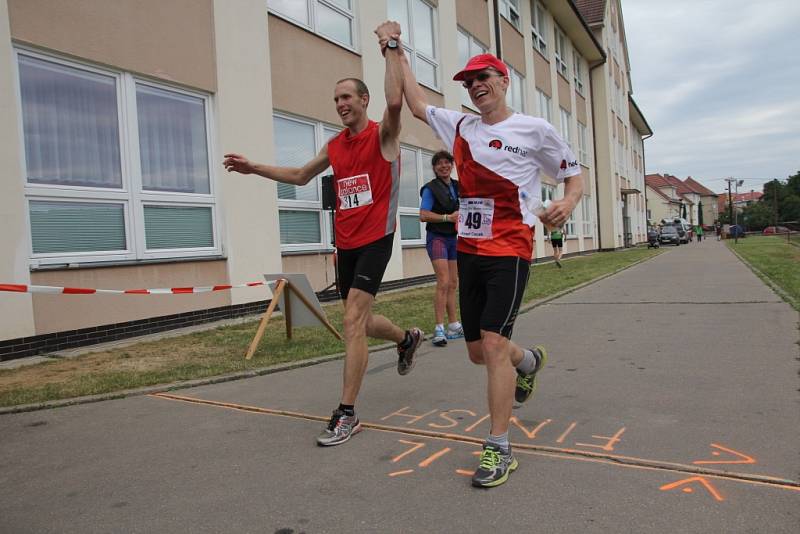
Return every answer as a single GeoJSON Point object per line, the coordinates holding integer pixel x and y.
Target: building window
{"type": "Point", "coordinates": [515, 96]}
{"type": "Point", "coordinates": [418, 22]}
{"type": "Point", "coordinates": [300, 216]}
{"type": "Point", "coordinates": [561, 52]}
{"type": "Point", "coordinates": [416, 171]}
{"type": "Point", "coordinates": [510, 10]}
{"type": "Point", "coordinates": [332, 19]}
{"type": "Point", "coordinates": [577, 71]}
{"type": "Point", "coordinates": [548, 192]}
{"type": "Point", "coordinates": [583, 149]}
{"type": "Point", "coordinates": [116, 168]}
{"type": "Point", "coordinates": [543, 102]}
{"type": "Point", "coordinates": [539, 28]}
{"type": "Point", "coordinates": [564, 124]}
{"type": "Point", "coordinates": [468, 47]}
{"type": "Point", "coordinates": [586, 209]}
{"type": "Point", "coordinates": [569, 226]}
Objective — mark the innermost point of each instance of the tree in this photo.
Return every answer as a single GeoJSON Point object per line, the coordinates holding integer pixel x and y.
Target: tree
{"type": "Point", "coordinates": [756, 216]}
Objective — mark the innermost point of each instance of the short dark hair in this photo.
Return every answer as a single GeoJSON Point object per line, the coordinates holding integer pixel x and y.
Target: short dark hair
{"type": "Point", "coordinates": [442, 154]}
{"type": "Point", "coordinates": [361, 87]}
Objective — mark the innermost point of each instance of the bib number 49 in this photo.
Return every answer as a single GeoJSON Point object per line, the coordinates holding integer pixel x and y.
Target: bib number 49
{"type": "Point", "coordinates": [473, 221]}
{"type": "Point", "coordinates": [475, 216]}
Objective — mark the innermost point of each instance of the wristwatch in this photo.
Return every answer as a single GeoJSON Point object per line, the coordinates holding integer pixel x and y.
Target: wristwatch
{"type": "Point", "coordinates": [391, 43]}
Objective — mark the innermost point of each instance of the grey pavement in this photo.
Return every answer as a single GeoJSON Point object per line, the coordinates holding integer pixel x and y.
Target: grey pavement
{"type": "Point", "coordinates": [670, 404]}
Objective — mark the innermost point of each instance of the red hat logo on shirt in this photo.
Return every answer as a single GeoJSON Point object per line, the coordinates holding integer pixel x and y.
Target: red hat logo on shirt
{"type": "Point", "coordinates": [496, 144]}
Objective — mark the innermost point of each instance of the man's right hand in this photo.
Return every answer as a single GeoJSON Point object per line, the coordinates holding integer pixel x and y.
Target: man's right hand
{"type": "Point", "coordinates": [238, 163]}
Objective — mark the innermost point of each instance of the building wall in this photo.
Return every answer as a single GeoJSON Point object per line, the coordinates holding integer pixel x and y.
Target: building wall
{"type": "Point", "coordinates": [126, 34]}
{"type": "Point", "coordinates": [16, 318]}
{"type": "Point", "coordinates": [253, 64]}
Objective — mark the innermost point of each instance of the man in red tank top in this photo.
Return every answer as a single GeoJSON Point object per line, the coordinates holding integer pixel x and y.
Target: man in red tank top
{"type": "Point", "coordinates": [499, 155]}
{"type": "Point", "coordinates": [365, 158]}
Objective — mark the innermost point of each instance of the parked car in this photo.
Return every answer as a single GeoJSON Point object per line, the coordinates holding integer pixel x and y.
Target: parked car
{"type": "Point", "coordinates": [683, 232]}
{"type": "Point", "coordinates": [736, 230]}
{"type": "Point", "coordinates": [770, 230]}
{"type": "Point", "coordinates": [669, 235]}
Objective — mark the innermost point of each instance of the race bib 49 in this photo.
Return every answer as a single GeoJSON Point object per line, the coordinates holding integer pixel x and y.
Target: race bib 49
{"type": "Point", "coordinates": [475, 217]}
{"type": "Point", "coordinates": [354, 192]}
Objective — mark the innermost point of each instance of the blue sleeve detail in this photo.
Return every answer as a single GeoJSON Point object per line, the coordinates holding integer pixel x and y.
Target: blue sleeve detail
{"type": "Point", "coordinates": [427, 199]}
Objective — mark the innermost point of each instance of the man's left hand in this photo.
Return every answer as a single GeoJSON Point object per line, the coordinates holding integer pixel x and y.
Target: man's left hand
{"type": "Point", "coordinates": [557, 213]}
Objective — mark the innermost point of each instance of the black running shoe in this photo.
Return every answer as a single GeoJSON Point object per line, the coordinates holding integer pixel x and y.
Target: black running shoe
{"type": "Point", "coordinates": [526, 384]}
{"type": "Point", "coordinates": [405, 356]}
{"type": "Point", "coordinates": [340, 428]}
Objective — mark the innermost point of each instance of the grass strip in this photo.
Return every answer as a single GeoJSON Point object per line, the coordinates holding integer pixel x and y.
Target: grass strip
{"type": "Point", "coordinates": [775, 261]}
{"type": "Point", "coordinates": [220, 351]}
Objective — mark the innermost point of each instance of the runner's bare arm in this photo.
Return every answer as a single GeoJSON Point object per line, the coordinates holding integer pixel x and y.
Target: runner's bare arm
{"type": "Point", "coordinates": [414, 95]}
{"type": "Point", "coordinates": [429, 216]}
{"type": "Point", "coordinates": [287, 175]}
{"type": "Point", "coordinates": [393, 90]}
{"type": "Point", "coordinates": [560, 210]}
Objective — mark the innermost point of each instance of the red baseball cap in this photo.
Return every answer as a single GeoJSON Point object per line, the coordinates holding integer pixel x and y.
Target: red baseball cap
{"type": "Point", "coordinates": [480, 62]}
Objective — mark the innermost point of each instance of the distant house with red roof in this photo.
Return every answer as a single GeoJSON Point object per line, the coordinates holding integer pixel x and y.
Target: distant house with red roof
{"type": "Point", "coordinates": [740, 200]}
{"type": "Point", "coordinates": [673, 197]}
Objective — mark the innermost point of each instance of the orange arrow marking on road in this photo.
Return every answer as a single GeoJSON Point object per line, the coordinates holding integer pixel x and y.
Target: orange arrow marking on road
{"type": "Point", "coordinates": [711, 489]}
{"type": "Point", "coordinates": [744, 458]}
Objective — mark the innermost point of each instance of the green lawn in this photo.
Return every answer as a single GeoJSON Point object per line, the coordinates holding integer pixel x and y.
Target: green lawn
{"type": "Point", "coordinates": [221, 350]}
{"type": "Point", "coordinates": [776, 259]}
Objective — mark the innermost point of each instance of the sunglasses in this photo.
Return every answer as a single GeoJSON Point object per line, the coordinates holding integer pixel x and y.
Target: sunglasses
{"type": "Point", "coordinates": [480, 77]}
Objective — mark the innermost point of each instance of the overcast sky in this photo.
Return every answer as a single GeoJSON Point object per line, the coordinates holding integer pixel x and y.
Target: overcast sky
{"type": "Point", "coordinates": [719, 83]}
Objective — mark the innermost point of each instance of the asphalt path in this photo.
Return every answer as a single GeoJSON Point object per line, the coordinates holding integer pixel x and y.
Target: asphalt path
{"type": "Point", "coordinates": [670, 403]}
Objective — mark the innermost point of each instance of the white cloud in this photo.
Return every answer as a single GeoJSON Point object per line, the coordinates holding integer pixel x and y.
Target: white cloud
{"type": "Point", "coordinates": [716, 80]}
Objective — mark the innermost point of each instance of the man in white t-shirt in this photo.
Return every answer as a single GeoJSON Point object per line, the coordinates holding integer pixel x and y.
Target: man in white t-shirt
{"type": "Point", "coordinates": [499, 156]}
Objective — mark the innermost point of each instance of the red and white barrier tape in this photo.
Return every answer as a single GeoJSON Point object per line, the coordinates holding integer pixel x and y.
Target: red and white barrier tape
{"type": "Point", "coordinates": [22, 288]}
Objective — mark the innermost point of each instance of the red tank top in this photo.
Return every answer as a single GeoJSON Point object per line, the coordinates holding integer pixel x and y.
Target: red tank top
{"type": "Point", "coordinates": [367, 187]}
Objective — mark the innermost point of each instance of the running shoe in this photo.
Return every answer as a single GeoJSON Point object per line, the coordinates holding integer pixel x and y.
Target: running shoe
{"type": "Point", "coordinates": [455, 333]}
{"type": "Point", "coordinates": [494, 467]}
{"type": "Point", "coordinates": [526, 383]}
{"type": "Point", "coordinates": [340, 428]}
{"type": "Point", "coordinates": [439, 339]}
{"type": "Point", "coordinates": [558, 263]}
{"type": "Point", "coordinates": [405, 356]}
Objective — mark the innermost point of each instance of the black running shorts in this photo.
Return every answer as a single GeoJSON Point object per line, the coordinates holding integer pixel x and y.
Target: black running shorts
{"type": "Point", "coordinates": [557, 243]}
{"type": "Point", "coordinates": [490, 292]}
{"type": "Point", "coordinates": [363, 267]}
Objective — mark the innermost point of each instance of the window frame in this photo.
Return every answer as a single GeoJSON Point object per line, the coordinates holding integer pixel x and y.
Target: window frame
{"type": "Point", "coordinates": [583, 148]}
{"type": "Point", "coordinates": [586, 212]}
{"type": "Point", "coordinates": [410, 47]}
{"type": "Point", "coordinates": [313, 206]}
{"type": "Point", "coordinates": [471, 40]}
{"type": "Point", "coordinates": [312, 26]}
{"type": "Point", "coordinates": [565, 123]}
{"type": "Point", "coordinates": [577, 71]}
{"type": "Point", "coordinates": [508, 10]}
{"type": "Point", "coordinates": [512, 75]}
{"type": "Point", "coordinates": [560, 51]}
{"type": "Point", "coordinates": [540, 97]}
{"type": "Point", "coordinates": [539, 28]}
{"type": "Point", "coordinates": [423, 157]}
{"type": "Point", "coordinates": [131, 194]}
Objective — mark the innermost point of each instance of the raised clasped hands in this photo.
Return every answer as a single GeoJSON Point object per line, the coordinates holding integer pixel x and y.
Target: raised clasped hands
{"type": "Point", "coordinates": [386, 31]}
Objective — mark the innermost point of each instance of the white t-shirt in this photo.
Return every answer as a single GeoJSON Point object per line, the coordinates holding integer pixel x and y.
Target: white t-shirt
{"type": "Point", "coordinates": [518, 149]}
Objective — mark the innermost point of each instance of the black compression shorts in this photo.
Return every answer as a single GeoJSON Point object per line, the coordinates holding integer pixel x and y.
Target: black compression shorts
{"type": "Point", "coordinates": [363, 267]}
{"type": "Point", "coordinates": [490, 292]}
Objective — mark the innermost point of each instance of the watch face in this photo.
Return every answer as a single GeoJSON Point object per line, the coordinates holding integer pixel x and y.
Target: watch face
{"type": "Point", "coordinates": [392, 43]}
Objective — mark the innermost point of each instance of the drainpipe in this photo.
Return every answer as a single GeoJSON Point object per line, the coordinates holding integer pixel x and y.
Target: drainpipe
{"type": "Point", "coordinates": [644, 170]}
{"type": "Point", "coordinates": [498, 48]}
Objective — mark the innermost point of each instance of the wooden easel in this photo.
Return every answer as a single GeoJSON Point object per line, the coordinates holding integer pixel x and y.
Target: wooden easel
{"type": "Point", "coordinates": [282, 285]}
